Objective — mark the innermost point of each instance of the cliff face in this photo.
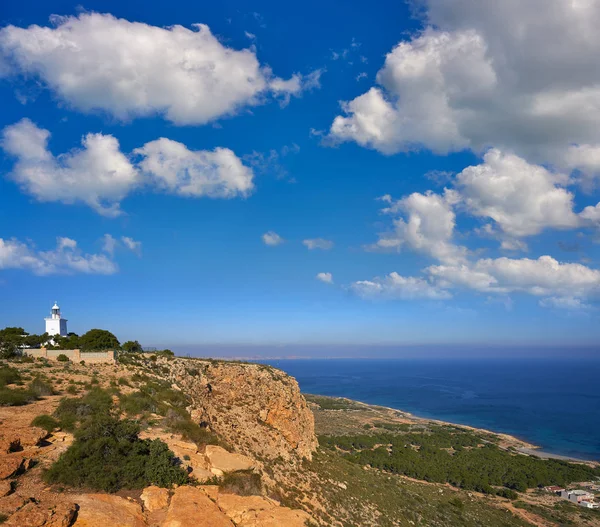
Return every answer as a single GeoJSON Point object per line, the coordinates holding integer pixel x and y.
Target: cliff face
{"type": "Point", "coordinates": [257, 409]}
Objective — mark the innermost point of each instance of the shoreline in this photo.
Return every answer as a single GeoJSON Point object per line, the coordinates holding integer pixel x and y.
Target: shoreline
{"type": "Point", "coordinates": [508, 441]}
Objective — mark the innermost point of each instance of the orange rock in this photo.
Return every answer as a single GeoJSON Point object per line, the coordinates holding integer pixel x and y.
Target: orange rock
{"type": "Point", "coordinates": [62, 515]}
{"type": "Point", "coordinates": [155, 498]}
{"type": "Point", "coordinates": [191, 507]}
{"type": "Point", "coordinates": [222, 461]}
{"type": "Point", "coordinates": [257, 511]}
{"type": "Point", "coordinates": [5, 488]}
{"type": "Point", "coordinates": [10, 464]}
{"type": "Point", "coordinates": [104, 510]}
{"type": "Point", "coordinates": [31, 515]}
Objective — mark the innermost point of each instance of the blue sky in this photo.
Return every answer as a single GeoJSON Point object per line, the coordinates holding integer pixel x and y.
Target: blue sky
{"type": "Point", "coordinates": [304, 175]}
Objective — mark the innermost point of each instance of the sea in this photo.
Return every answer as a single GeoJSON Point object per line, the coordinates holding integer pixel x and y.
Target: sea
{"type": "Point", "coordinates": [554, 404]}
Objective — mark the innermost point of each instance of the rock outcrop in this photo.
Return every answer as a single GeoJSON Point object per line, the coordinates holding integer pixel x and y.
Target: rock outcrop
{"type": "Point", "coordinates": [189, 505]}
{"type": "Point", "coordinates": [255, 408]}
{"type": "Point", "coordinates": [102, 510]}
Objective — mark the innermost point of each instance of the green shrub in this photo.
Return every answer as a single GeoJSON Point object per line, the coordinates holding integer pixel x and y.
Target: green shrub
{"type": "Point", "coordinates": [72, 390]}
{"type": "Point", "coordinates": [3, 517]}
{"type": "Point", "coordinates": [8, 375]}
{"type": "Point", "coordinates": [45, 422]}
{"type": "Point", "coordinates": [62, 358]}
{"type": "Point", "coordinates": [242, 483]}
{"type": "Point", "coordinates": [19, 397]}
{"type": "Point", "coordinates": [123, 381]}
{"type": "Point", "coordinates": [40, 387]}
{"type": "Point", "coordinates": [72, 411]}
{"type": "Point", "coordinates": [137, 403]}
{"type": "Point", "coordinates": [108, 455]}
{"type": "Point", "coordinates": [507, 493]}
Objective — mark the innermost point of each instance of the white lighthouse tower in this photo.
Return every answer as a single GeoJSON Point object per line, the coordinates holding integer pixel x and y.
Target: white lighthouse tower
{"type": "Point", "coordinates": [55, 324]}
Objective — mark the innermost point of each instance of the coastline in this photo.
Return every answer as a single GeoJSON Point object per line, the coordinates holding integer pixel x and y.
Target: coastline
{"type": "Point", "coordinates": [507, 441]}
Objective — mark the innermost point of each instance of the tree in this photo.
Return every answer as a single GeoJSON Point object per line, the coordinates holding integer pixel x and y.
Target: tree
{"type": "Point", "coordinates": [132, 346]}
{"type": "Point", "coordinates": [98, 339]}
{"type": "Point", "coordinates": [11, 339]}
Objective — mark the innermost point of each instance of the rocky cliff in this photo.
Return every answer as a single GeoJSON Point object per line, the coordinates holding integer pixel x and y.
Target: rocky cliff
{"type": "Point", "coordinates": [256, 409]}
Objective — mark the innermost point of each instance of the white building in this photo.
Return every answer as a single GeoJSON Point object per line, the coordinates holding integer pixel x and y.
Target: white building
{"type": "Point", "coordinates": [55, 324]}
{"type": "Point", "coordinates": [577, 496]}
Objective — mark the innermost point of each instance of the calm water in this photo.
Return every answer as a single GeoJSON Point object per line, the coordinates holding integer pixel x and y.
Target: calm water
{"type": "Point", "coordinates": [554, 404]}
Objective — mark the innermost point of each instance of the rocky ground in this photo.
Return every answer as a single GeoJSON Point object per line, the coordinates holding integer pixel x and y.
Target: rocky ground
{"type": "Point", "coordinates": [26, 451]}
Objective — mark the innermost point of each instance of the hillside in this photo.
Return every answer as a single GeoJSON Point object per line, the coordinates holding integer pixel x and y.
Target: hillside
{"type": "Point", "coordinates": [158, 441]}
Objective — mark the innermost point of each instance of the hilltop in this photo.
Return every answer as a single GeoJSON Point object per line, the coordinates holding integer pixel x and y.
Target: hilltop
{"type": "Point", "coordinates": [154, 440]}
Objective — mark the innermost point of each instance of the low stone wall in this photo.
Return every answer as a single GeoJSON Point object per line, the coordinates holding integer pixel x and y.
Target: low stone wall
{"type": "Point", "coordinates": [90, 357]}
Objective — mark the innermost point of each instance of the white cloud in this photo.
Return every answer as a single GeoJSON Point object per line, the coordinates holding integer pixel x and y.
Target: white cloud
{"type": "Point", "coordinates": [65, 258]}
{"type": "Point", "coordinates": [519, 76]}
{"type": "Point", "coordinates": [101, 176]}
{"type": "Point", "coordinates": [395, 286]}
{"type": "Point", "coordinates": [544, 276]}
{"type": "Point", "coordinates": [568, 302]}
{"type": "Point", "coordinates": [132, 245]}
{"type": "Point", "coordinates": [523, 199]}
{"type": "Point", "coordinates": [109, 244]}
{"type": "Point", "coordinates": [174, 168]}
{"type": "Point", "coordinates": [97, 174]}
{"type": "Point", "coordinates": [325, 277]}
{"type": "Point", "coordinates": [426, 225]}
{"type": "Point", "coordinates": [318, 243]}
{"type": "Point", "coordinates": [272, 238]}
{"type": "Point", "coordinates": [131, 69]}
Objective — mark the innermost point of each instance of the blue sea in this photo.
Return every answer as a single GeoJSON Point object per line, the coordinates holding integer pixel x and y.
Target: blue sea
{"type": "Point", "coordinates": [554, 404]}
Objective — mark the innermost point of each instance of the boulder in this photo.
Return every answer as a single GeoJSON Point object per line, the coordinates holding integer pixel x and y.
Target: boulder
{"type": "Point", "coordinates": [31, 515]}
{"type": "Point", "coordinates": [5, 488]}
{"type": "Point", "coordinates": [103, 510]}
{"type": "Point", "coordinates": [243, 508]}
{"type": "Point", "coordinates": [191, 507]}
{"type": "Point", "coordinates": [257, 511]}
{"type": "Point", "coordinates": [11, 464]}
{"type": "Point", "coordinates": [222, 461]}
{"type": "Point", "coordinates": [62, 515]}
{"type": "Point", "coordinates": [155, 498]}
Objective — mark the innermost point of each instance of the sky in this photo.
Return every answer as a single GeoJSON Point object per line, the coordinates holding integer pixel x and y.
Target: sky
{"type": "Point", "coordinates": [231, 174]}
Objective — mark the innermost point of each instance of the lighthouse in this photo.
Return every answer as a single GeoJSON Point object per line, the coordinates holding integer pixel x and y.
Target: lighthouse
{"type": "Point", "coordinates": [55, 324]}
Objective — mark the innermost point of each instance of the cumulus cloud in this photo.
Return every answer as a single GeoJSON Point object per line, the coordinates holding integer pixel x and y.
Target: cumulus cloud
{"type": "Point", "coordinates": [543, 276]}
{"type": "Point", "coordinates": [175, 169]}
{"type": "Point", "coordinates": [97, 174]}
{"type": "Point", "coordinates": [129, 69]}
{"type": "Point", "coordinates": [325, 277]}
{"type": "Point", "coordinates": [523, 199]}
{"type": "Point", "coordinates": [395, 286]}
{"type": "Point", "coordinates": [101, 176]}
{"type": "Point", "coordinates": [132, 245]}
{"type": "Point", "coordinates": [66, 258]}
{"type": "Point", "coordinates": [318, 243]}
{"type": "Point", "coordinates": [272, 238]}
{"type": "Point", "coordinates": [425, 224]}
{"type": "Point", "coordinates": [519, 76]}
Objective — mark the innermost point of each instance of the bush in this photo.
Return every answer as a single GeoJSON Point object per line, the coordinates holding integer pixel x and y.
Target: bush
{"type": "Point", "coordinates": [108, 455]}
{"type": "Point", "coordinates": [123, 381]}
{"type": "Point", "coordinates": [45, 422]}
{"type": "Point", "coordinates": [41, 388]}
{"type": "Point", "coordinates": [10, 397]}
{"type": "Point", "coordinates": [72, 411]}
{"type": "Point", "coordinates": [8, 375]}
{"type": "Point", "coordinates": [242, 483]}
{"type": "Point", "coordinates": [507, 493]}
{"type": "Point", "coordinates": [62, 358]}
{"type": "Point", "coordinates": [137, 403]}
{"type": "Point", "coordinates": [72, 389]}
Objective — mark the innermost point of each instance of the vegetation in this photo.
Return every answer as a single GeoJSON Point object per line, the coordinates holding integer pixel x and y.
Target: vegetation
{"type": "Point", "coordinates": [444, 454]}
{"type": "Point", "coordinates": [242, 483]}
{"type": "Point", "coordinates": [98, 339]}
{"type": "Point", "coordinates": [108, 455]}
{"type": "Point", "coordinates": [45, 422]}
{"type": "Point", "coordinates": [14, 396]}
{"type": "Point", "coordinates": [12, 339]}
{"type": "Point", "coordinates": [62, 358]}
{"type": "Point", "coordinates": [132, 346]}
{"type": "Point", "coordinates": [333, 403]}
